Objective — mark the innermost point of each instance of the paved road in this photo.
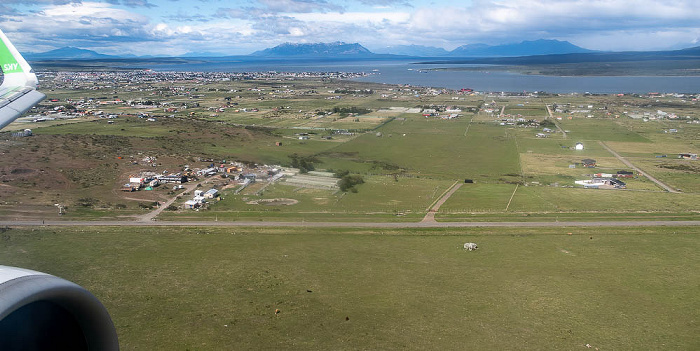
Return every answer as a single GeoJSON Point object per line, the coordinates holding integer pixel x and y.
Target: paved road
{"type": "Point", "coordinates": [629, 164]}
{"type": "Point", "coordinates": [351, 224]}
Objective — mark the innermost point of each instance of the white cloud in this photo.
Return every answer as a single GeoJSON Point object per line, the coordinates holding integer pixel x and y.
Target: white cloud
{"type": "Point", "coordinates": [256, 24]}
{"type": "Point", "coordinates": [89, 20]}
{"type": "Point", "coordinates": [515, 20]}
{"type": "Point", "coordinates": [354, 17]}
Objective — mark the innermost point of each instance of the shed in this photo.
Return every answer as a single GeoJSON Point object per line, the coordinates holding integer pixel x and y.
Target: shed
{"type": "Point", "coordinates": [211, 193]}
{"type": "Point", "coordinates": [588, 163]}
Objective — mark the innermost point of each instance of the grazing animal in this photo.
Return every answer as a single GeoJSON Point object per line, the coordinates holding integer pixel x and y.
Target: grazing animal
{"type": "Point", "coordinates": [470, 246]}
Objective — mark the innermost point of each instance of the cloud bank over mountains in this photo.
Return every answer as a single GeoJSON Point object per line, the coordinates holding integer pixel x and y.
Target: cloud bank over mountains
{"type": "Point", "coordinates": [174, 27]}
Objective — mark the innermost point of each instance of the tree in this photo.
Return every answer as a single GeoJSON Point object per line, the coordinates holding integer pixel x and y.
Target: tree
{"type": "Point", "coordinates": [348, 182]}
{"type": "Point", "coordinates": [304, 163]}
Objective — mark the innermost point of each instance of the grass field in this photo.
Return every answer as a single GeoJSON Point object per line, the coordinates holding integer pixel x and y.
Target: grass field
{"type": "Point", "coordinates": [197, 124]}
{"type": "Point", "coordinates": [527, 289]}
{"type": "Point", "coordinates": [380, 198]}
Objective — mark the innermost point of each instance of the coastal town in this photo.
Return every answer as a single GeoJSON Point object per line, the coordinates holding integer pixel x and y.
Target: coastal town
{"type": "Point", "coordinates": [210, 141]}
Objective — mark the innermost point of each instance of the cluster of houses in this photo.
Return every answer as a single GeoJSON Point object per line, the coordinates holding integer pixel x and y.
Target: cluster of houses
{"type": "Point", "coordinates": [451, 112]}
{"type": "Point", "coordinates": [545, 133]}
{"type": "Point", "coordinates": [243, 174]}
{"type": "Point", "coordinates": [150, 180]}
{"type": "Point", "coordinates": [601, 183]}
{"type": "Point", "coordinates": [688, 156]}
{"type": "Point", "coordinates": [200, 198]}
{"type": "Point", "coordinates": [606, 180]}
{"type": "Point", "coordinates": [519, 121]}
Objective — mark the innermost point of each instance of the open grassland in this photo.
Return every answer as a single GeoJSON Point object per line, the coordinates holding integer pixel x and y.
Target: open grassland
{"type": "Point", "coordinates": [532, 199]}
{"type": "Point", "coordinates": [405, 158]}
{"type": "Point", "coordinates": [526, 110]}
{"type": "Point", "coordinates": [527, 289]}
{"type": "Point", "coordinates": [599, 129]}
{"type": "Point", "coordinates": [381, 198]}
{"type": "Point", "coordinates": [422, 146]}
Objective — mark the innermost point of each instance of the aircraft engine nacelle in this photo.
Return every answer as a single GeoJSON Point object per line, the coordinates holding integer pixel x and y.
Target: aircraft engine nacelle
{"type": "Point", "coordinates": [41, 312]}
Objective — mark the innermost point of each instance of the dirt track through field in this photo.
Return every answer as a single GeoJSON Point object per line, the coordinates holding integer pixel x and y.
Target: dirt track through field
{"type": "Point", "coordinates": [630, 165]}
{"type": "Point", "coordinates": [430, 216]}
{"type": "Point", "coordinates": [151, 215]}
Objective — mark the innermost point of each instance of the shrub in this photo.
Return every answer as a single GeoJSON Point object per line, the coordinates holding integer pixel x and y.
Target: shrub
{"type": "Point", "coordinates": [348, 182]}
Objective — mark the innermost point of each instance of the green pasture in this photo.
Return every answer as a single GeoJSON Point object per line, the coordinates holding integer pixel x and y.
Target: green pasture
{"type": "Point", "coordinates": [437, 148]}
{"type": "Point", "coordinates": [527, 142]}
{"type": "Point", "coordinates": [531, 199]}
{"type": "Point", "coordinates": [599, 129]}
{"type": "Point", "coordinates": [385, 197]}
{"type": "Point", "coordinates": [680, 174]}
{"type": "Point", "coordinates": [528, 289]}
{"type": "Point", "coordinates": [527, 110]}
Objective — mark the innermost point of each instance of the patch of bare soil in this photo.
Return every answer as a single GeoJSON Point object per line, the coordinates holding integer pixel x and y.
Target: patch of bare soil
{"type": "Point", "coordinates": [274, 202]}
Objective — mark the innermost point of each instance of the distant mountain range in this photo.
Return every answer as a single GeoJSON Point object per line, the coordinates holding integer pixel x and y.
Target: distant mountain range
{"type": "Point", "coordinates": [525, 48]}
{"type": "Point", "coordinates": [413, 50]}
{"type": "Point", "coordinates": [341, 49]}
{"type": "Point", "coordinates": [315, 50]}
{"type": "Point", "coordinates": [542, 51]}
{"type": "Point", "coordinates": [67, 53]}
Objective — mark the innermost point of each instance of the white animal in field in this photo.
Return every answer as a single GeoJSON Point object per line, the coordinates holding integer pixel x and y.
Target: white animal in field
{"type": "Point", "coordinates": [470, 246]}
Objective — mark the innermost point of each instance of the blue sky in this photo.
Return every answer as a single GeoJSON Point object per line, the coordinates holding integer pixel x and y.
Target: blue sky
{"type": "Point", "coordinates": [174, 27]}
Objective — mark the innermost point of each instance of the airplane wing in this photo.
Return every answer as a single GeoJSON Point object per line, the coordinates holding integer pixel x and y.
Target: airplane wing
{"type": "Point", "coordinates": [18, 89]}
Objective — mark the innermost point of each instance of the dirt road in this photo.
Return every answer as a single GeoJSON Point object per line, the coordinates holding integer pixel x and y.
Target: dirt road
{"type": "Point", "coordinates": [151, 215]}
{"type": "Point", "coordinates": [430, 216]}
{"type": "Point", "coordinates": [551, 116]}
{"type": "Point", "coordinates": [630, 165]}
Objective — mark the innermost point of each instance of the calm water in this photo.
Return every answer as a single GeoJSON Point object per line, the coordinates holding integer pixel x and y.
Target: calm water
{"type": "Point", "coordinates": [405, 72]}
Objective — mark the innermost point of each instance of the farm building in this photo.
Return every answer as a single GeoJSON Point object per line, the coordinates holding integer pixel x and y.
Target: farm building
{"type": "Point", "coordinates": [207, 172]}
{"type": "Point", "coordinates": [578, 146]}
{"type": "Point", "coordinates": [625, 174]}
{"type": "Point", "coordinates": [211, 193]}
{"type": "Point", "coordinates": [588, 163]}
{"type": "Point", "coordinates": [178, 179]}
{"type": "Point", "coordinates": [602, 183]}
{"type": "Point", "coordinates": [197, 202]}
{"type": "Point", "coordinates": [688, 156]}
{"type": "Point", "coordinates": [131, 187]}
{"type": "Point", "coordinates": [138, 180]}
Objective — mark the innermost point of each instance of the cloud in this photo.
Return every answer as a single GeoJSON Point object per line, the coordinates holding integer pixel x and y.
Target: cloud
{"type": "Point", "coordinates": [516, 20]}
{"type": "Point", "coordinates": [269, 8]}
{"type": "Point", "coordinates": [298, 6]}
{"type": "Point", "coordinates": [6, 10]}
{"type": "Point", "coordinates": [385, 3]}
{"type": "Point", "coordinates": [88, 24]}
{"type": "Point", "coordinates": [132, 3]}
{"type": "Point", "coordinates": [280, 25]}
{"type": "Point", "coordinates": [138, 3]}
{"type": "Point", "coordinates": [187, 18]}
{"type": "Point", "coordinates": [42, 2]}
{"type": "Point", "coordinates": [119, 26]}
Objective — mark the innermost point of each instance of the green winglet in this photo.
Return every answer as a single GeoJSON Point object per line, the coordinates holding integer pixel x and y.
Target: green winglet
{"type": "Point", "coordinates": [8, 63]}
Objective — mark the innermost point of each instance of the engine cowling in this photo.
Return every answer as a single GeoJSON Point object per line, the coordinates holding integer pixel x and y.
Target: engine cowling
{"type": "Point", "coordinates": [39, 311]}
